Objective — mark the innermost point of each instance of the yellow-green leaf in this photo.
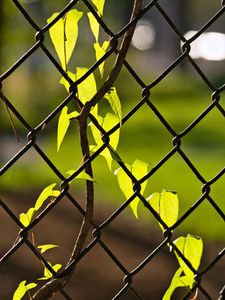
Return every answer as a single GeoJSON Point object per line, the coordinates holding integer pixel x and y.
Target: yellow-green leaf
{"type": "Point", "coordinates": [47, 247]}
{"type": "Point", "coordinates": [99, 4]}
{"type": "Point", "coordinates": [108, 122]}
{"type": "Point", "coordinates": [31, 285]}
{"type": "Point", "coordinates": [139, 169]}
{"type": "Point", "coordinates": [99, 52]}
{"type": "Point", "coordinates": [191, 247]}
{"type": "Point", "coordinates": [47, 192]}
{"type": "Point", "coordinates": [94, 25]}
{"type": "Point", "coordinates": [114, 102]}
{"type": "Point", "coordinates": [22, 289]}
{"type": "Point", "coordinates": [48, 274]}
{"type": "Point", "coordinates": [124, 181]}
{"type": "Point", "coordinates": [105, 153]}
{"type": "Point", "coordinates": [166, 204]}
{"type": "Point", "coordinates": [64, 82]}
{"type": "Point", "coordinates": [26, 218]}
{"type": "Point", "coordinates": [81, 175]}
{"type": "Point", "coordinates": [64, 35]}
{"type": "Point", "coordinates": [175, 283]}
{"type": "Point", "coordinates": [63, 124]}
{"type": "Point", "coordinates": [87, 88]}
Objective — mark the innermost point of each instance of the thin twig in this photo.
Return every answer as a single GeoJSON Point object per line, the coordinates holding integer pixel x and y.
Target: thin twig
{"type": "Point", "coordinates": [10, 119]}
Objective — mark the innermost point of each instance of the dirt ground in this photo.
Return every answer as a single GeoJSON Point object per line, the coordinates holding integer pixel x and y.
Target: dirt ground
{"type": "Point", "coordinates": [97, 276]}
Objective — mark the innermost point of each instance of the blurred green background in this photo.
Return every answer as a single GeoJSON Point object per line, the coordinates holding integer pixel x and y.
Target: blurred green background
{"type": "Point", "coordinates": [180, 97]}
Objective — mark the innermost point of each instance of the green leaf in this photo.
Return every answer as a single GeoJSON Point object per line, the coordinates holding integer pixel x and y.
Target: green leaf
{"type": "Point", "coordinates": [94, 25]}
{"type": "Point", "coordinates": [175, 283]}
{"type": "Point", "coordinates": [108, 122]}
{"type": "Point", "coordinates": [22, 289]}
{"type": "Point", "coordinates": [82, 175]}
{"type": "Point", "coordinates": [191, 247]}
{"type": "Point", "coordinates": [99, 4]}
{"type": "Point", "coordinates": [47, 192]}
{"type": "Point", "coordinates": [63, 124]}
{"type": "Point", "coordinates": [47, 247]}
{"type": "Point", "coordinates": [166, 204]}
{"type": "Point", "coordinates": [99, 52]}
{"type": "Point", "coordinates": [31, 285]}
{"type": "Point", "coordinates": [114, 102]}
{"type": "Point", "coordinates": [87, 88]}
{"type": "Point", "coordinates": [64, 35]}
{"type": "Point", "coordinates": [64, 82]}
{"type": "Point", "coordinates": [139, 169]}
{"type": "Point", "coordinates": [48, 274]}
{"type": "Point", "coordinates": [26, 218]}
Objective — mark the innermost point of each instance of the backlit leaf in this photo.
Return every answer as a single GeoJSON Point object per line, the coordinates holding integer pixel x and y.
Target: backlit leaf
{"type": "Point", "coordinates": [64, 35]}
{"type": "Point", "coordinates": [22, 289]}
{"type": "Point", "coordinates": [105, 153]}
{"type": "Point", "coordinates": [31, 285]}
{"type": "Point", "coordinates": [64, 82]}
{"type": "Point", "coordinates": [94, 25]}
{"type": "Point", "coordinates": [99, 4]}
{"type": "Point", "coordinates": [175, 283]}
{"type": "Point", "coordinates": [108, 122]}
{"type": "Point", "coordinates": [63, 124]}
{"type": "Point", "coordinates": [82, 175]}
{"type": "Point", "coordinates": [114, 102]}
{"type": "Point", "coordinates": [26, 218]}
{"type": "Point", "coordinates": [166, 204]}
{"type": "Point", "coordinates": [139, 169]}
{"type": "Point", "coordinates": [48, 274]}
{"type": "Point", "coordinates": [86, 89]}
{"type": "Point", "coordinates": [99, 52]}
{"type": "Point", "coordinates": [47, 192]}
{"type": "Point", "coordinates": [191, 247]}
{"type": "Point", "coordinates": [47, 247]}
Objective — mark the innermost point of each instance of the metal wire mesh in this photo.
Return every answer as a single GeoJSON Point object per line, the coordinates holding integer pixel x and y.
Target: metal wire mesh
{"type": "Point", "coordinates": [144, 102]}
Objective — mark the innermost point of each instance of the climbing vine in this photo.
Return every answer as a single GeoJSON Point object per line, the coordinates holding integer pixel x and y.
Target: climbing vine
{"type": "Point", "coordinates": [165, 205]}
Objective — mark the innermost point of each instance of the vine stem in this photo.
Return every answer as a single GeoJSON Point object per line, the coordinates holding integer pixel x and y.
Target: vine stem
{"type": "Point", "coordinates": [59, 280]}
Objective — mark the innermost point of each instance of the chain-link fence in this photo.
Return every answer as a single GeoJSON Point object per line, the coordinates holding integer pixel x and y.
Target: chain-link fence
{"type": "Point", "coordinates": [127, 288]}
